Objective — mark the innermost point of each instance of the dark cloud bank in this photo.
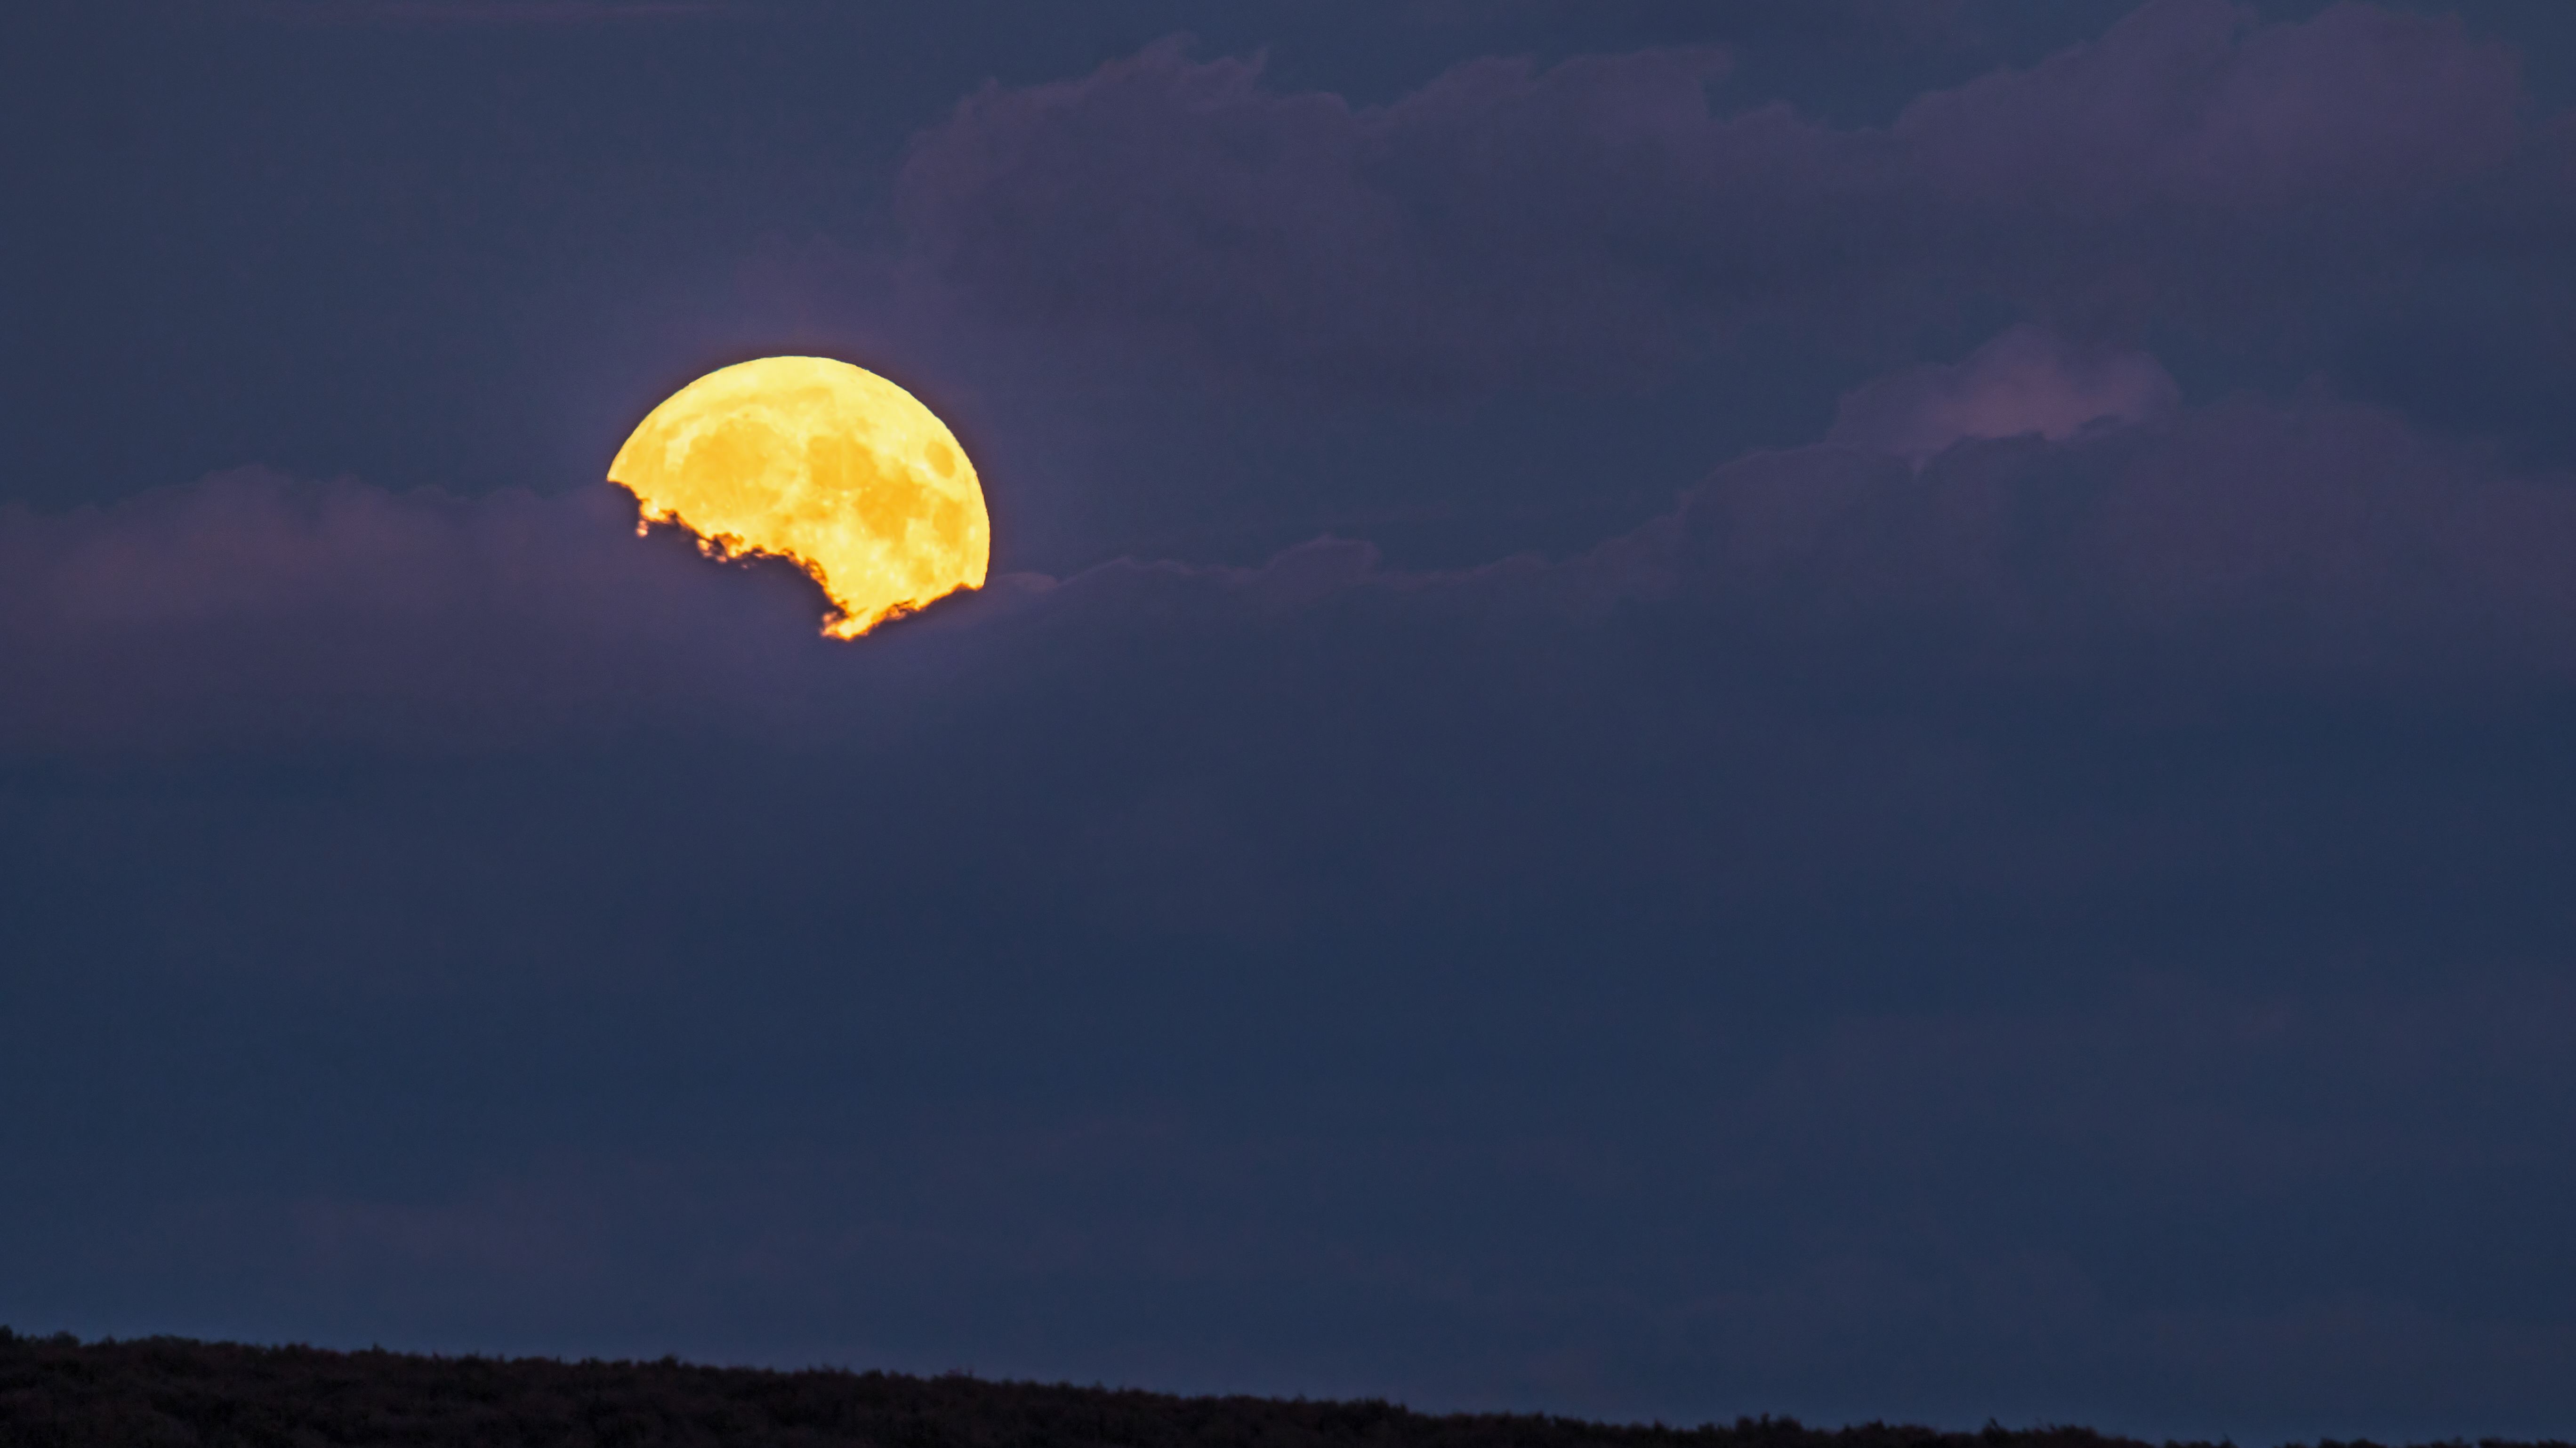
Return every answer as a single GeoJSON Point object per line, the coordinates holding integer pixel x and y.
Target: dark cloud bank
{"type": "Point", "coordinates": [2049, 903]}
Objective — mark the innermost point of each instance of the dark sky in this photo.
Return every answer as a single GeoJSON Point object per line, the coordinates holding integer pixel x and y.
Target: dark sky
{"type": "Point", "coordinates": [1859, 709]}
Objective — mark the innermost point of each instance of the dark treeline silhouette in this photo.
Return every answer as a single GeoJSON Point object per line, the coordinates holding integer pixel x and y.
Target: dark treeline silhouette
{"type": "Point", "coordinates": [59, 1392]}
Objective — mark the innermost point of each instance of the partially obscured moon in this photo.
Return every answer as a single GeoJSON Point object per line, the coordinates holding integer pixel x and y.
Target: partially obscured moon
{"type": "Point", "coordinates": [826, 464]}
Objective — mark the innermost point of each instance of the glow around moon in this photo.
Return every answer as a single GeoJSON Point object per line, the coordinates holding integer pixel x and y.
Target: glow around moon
{"type": "Point", "coordinates": [826, 464]}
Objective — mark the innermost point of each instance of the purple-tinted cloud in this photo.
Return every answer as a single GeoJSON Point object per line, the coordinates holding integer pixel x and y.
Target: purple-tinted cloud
{"type": "Point", "coordinates": [1587, 221]}
{"type": "Point", "coordinates": [2307, 540]}
{"type": "Point", "coordinates": [2024, 382]}
{"type": "Point", "coordinates": [226, 611]}
{"type": "Point", "coordinates": [2187, 104]}
{"type": "Point", "coordinates": [2310, 539]}
{"type": "Point", "coordinates": [1297, 232]}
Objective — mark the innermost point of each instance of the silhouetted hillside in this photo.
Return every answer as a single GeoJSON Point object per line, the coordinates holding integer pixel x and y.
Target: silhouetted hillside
{"type": "Point", "coordinates": [57, 1392]}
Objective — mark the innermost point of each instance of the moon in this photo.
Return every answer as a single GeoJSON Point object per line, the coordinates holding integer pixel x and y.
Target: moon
{"type": "Point", "coordinates": [830, 465]}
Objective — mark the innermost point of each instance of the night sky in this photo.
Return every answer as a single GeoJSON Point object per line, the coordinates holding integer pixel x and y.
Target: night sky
{"type": "Point", "coordinates": [1688, 707]}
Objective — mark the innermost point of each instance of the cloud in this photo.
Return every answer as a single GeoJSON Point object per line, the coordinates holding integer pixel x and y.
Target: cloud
{"type": "Point", "coordinates": [2306, 541]}
{"type": "Point", "coordinates": [2034, 511]}
{"type": "Point", "coordinates": [227, 610]}
{"type": "Point", "coordinates": [1590, 222]}
{"type": "Point", "coordinates": [1296, 232]}
{"type": "Point", "coordinates": [2024, 382]}
{"type": "Point", "coordinates": [2187, 103]}
{"type": "Point", "coordinates": [1509, 981]}
{"type": "Point", "coordinates": [1242, 755]}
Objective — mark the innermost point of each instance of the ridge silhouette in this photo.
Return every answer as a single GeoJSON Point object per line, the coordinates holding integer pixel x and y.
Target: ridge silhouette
{"type": "Point", "coordinates": [63, 1393]}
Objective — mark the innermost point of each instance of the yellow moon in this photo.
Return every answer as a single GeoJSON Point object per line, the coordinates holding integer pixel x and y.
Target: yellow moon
{"type": "Point", "coordinates": [820, 462]}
